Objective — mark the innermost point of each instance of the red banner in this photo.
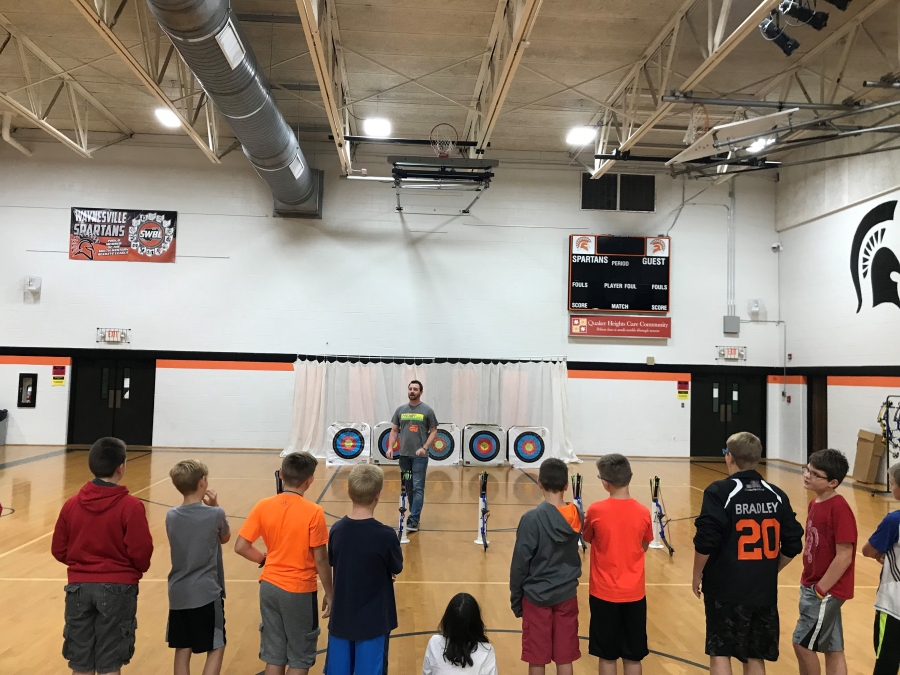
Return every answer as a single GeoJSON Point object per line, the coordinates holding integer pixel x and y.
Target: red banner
{"type": "Point", "coordinates": [620, 326]}
{"type": "Point", "coordinates": [126, 235]}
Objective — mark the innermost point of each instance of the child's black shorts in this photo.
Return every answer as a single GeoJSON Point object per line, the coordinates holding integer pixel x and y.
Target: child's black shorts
{"type": "Point", "coordinates": [200, 629]}
{"type": "Point", "coordinates": [618, 630]}
{"type": "Point", "coordinates": [741, 631]}
{"type": "Point", "coordinates": [887, 644]}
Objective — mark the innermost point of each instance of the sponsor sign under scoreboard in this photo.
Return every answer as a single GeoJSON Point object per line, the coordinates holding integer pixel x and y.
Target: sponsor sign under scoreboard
{"type": "Point", "coordinates": [122, 234]}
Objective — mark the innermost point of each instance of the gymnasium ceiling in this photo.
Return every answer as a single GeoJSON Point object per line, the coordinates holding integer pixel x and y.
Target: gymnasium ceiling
{"type": "Point", "coordinates": [563, 63]}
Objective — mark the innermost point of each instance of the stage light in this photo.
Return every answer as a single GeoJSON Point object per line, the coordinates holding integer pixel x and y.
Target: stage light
{"type": "Point", "coordinates": [840, 4]}
{"type": "Point", "coordinates": [167, 118]}
{"type": "Point", "coordinates": [581, 135]}
{"type": "Point", "coordinates": [804, 14]}
{"type": "Point", "coordinates": [760, 144]}
{"type": "Point", "coordinates": [379, 127]}
{"type": "Point", "coordinates": [774, 33]}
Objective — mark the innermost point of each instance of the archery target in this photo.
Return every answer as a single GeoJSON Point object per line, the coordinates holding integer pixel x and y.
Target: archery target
{"type": "Point", "coordinates": [526, 446]}
{"type": "Point", "coordinates": [382, 435]}
{"type": "Point", "coordinates": [445, 449]}
{"type": "Point", "coordinates": [482, 446]}
{"type": "Point", "coordinates": [348, 443]}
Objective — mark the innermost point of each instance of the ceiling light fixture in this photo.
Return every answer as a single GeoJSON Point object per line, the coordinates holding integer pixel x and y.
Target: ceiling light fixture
{"type": "Point", "coordinates": [773, 32]}
{"type": "Point", "coordinates": [379, 127]}
{"type": "Point", "coordinates": [806, 15]}
{"type": "Point", "coordinates": [167, 118]}
{"type": "Point", "coordinates": [581, 135]}
{"type": "Point", "coordinates": [760, 144]}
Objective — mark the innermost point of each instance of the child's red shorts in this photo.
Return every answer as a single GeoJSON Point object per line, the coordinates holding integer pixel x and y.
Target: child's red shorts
{"type": "Point", "coordinates": [550, 633]}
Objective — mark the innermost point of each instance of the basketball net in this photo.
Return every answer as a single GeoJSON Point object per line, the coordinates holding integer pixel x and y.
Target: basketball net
{"type": "Point", "coordinates": [698, 124]}
{"type": "Point", "coordinates": [443, 139]}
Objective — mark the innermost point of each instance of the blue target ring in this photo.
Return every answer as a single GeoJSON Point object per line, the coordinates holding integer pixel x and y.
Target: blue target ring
{"type": "Point", "coordinates": [348, 444]}
{"type": "Point", "coordinates": [383, 440]}
{"type": "Point", "coordinates": [529, 447]}
{"type": "Point", "coordinates": [443, 446]}
{"type": "Point", "coordinates": [484, 446]}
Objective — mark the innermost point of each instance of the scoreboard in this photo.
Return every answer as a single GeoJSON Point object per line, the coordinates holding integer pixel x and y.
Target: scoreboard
{"type": "Point", "coordinates": [619, 274]}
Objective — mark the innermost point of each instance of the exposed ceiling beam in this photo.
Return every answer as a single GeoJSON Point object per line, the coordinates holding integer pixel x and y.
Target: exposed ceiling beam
{"type": "Point", "coordinates": [23, 111]}
{"type": "Point", "coordinates": [323, 41]}
{"type": "Point", "coordinates": [748, 26]}
{"type": "Point", "coordinates": [814, 54]}
{"type": "Point", "coordinates": [60, 72]}
{"type": "Point", "coordinates": [89, 13]}
{"type": "Point", "coordinates": [513, 23]}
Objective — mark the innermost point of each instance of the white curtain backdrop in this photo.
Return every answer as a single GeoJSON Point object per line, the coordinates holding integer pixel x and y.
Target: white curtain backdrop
{"type": "Point", "coordinates": [508, 394]}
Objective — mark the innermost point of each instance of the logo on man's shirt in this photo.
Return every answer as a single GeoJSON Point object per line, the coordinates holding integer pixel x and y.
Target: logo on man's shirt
{"type": "Point", "coordinates": [412, 417]}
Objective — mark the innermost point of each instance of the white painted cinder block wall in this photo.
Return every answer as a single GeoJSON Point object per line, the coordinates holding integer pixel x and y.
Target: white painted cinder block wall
{"type": "Point", "coordinates": [819, 207]}
{"type": "Point", "coordinates": [363, 280]}
{"type": "Point", "coordinates": [786, 421]}
{"type": "Point", "coordinates": [47, 422]}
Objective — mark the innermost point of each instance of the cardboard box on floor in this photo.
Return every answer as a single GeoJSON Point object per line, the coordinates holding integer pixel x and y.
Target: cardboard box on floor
{"type": "Point", "coordinates": [869, 449]}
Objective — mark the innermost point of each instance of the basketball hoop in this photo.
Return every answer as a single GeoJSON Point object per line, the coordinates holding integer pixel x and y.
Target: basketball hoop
{"type": "Point", "coordinates": [698, 125]}
{"type": "Point", "coordinates": [444, 139]}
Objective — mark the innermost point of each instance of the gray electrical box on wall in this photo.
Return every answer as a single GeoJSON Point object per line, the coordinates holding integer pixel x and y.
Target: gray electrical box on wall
{"type": "Point", "coordinates": [732, 325]}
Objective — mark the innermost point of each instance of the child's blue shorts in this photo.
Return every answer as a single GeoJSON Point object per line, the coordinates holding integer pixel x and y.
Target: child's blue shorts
{"type": "Point", "coordinates": [349, 657]}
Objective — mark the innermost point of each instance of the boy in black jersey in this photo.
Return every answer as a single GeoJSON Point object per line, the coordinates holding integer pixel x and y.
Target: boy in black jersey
{"type": "Point", "coordinates": [747, 533]}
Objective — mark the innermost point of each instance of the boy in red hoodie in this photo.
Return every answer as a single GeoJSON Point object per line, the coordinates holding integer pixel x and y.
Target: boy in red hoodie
{"type": "Point", "coordinates": [103, 537]}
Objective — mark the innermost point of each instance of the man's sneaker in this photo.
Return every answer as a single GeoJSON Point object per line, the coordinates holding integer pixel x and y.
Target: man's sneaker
{"type": "Point", "coordinates": [412, 528]}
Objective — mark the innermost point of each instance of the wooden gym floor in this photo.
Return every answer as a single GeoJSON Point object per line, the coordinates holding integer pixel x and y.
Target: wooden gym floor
{"type": "Point", "coordinates": [440, 561]}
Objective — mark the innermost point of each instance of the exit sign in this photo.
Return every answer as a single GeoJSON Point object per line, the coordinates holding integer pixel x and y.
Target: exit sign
{"type": "Point", "coordinates": [113, 336]}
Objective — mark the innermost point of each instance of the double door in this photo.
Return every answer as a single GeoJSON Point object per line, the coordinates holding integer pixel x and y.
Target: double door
{"type": "Point", "coordinates": [112, 397]}
{"type": "Point", "coordinates": [722, 405]}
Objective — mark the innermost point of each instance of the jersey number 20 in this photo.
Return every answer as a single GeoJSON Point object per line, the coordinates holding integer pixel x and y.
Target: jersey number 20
{"type": "Point", "coordinates": [749, 545]}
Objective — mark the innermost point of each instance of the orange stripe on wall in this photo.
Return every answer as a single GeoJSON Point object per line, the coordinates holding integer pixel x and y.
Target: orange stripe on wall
{"type": "Point", "coordinates": [863, 381]}
{"type": "Point", "coordinates": [36, 360]}
{"type": "Point", "coordinates": [791, 379]}
{"type": "Point", "coordinates": [628, 375]}
{"type": "Point", "coordinates": [224, 365]}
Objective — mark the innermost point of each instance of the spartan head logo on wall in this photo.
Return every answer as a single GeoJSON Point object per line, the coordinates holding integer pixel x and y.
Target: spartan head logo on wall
{"type": "Point", "coordinates": [873, 259]}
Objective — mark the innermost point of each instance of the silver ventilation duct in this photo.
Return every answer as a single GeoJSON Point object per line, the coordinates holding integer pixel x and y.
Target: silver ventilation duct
{"type": "Point", "coordinates": [211, 41]}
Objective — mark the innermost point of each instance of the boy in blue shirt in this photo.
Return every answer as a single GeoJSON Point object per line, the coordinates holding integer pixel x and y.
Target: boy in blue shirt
{"type": "Point", "coordinates": [366, 556]}
{"type": "Point", "coordinates": [884, 546]}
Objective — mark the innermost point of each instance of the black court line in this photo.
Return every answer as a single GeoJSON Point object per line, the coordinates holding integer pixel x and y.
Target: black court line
{"type": "Point", "coordinates": [532, 478]}
{"type": "Point", "coordinates": [516, 632]}
{"type": "Point", "coordinates": [35, 458]}
{"type": "Point", "coordinates": [172, 506]}
{"type": "Point", "coordinates": [328, 484]}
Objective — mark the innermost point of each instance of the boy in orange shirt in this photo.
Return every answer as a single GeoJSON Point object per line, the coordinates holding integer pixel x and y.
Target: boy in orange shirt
{"type": "Point", "coordinates": [296, 537]}
{"type": "Point", "coordinates": [619, 530]}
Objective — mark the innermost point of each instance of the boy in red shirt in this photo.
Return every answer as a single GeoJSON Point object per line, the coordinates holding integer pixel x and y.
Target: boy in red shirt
{"type": "Point", "coordinates": [619, 530]}
{"type": "Point", "coordinates": [828, 566]}
{"type": "Point", "coordinates": [103, 537]}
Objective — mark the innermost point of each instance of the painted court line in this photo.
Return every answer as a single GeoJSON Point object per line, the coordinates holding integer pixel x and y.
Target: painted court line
{"type": "Point", "coordinates": [26, 544]}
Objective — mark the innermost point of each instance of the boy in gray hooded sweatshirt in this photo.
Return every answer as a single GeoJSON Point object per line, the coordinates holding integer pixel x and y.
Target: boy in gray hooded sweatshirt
{"type": "Point", "coordinates": [543, 576]}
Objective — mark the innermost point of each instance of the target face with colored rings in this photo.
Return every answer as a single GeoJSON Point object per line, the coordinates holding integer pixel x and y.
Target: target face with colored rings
{"type": "Point", "coordinates": [348, 444]}
{"type": "Point", "coordinates": [484, 446]}
{"type": "Point", "coordinates": [443, 446]}
{"type": "Point", "coordinates": [383, 443]}
{"type": "Point", "coordinates": [529, 447]}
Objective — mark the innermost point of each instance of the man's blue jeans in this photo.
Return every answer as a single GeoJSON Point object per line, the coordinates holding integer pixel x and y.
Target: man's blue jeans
{"type": "Point", "coordinates": [418, 466]}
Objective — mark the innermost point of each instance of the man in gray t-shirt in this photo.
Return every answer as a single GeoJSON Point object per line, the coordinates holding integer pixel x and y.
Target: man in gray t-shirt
{"type": "Point", "coordinates": [416, 425]}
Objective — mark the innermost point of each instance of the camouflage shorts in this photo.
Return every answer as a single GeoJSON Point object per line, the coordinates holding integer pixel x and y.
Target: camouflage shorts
{"type": "Point", "coordinates": [741, 631]}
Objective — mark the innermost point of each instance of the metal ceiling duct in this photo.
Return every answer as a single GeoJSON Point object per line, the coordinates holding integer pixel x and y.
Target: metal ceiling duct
{"type": "Point", "coordinates": [211, 41]}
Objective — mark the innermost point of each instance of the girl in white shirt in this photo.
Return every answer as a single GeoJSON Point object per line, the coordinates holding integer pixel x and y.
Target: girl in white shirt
{"type": "Point", "coordinates": [462, 646]}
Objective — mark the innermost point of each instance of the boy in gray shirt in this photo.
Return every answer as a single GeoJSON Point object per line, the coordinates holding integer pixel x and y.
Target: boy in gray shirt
{"type": "Point", "coordinates": [196, 530]}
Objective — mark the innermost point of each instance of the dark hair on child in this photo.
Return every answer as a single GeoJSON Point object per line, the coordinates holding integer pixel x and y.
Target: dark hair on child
{"type": "Point", "coordinates": [832, 462]}
{"type": "Point", "coordinates": [615, 469]}
{"type": "Point", "coordinates": [554, 475]}
{"type": "Point", "coordinates": [106, 455]}
{"type": "Point", "coordinates": [297, 467]}
{"type": "Point", "coordinates": [421, 388]}
{"type": "Point", "coordinates": [463, 630]}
